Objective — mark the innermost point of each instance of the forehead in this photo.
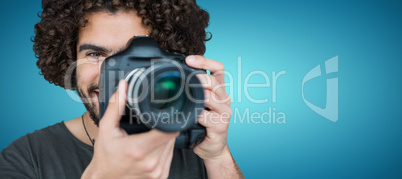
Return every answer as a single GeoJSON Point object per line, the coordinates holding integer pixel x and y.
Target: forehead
{"type": "Point", "coordinates": [111, 30]}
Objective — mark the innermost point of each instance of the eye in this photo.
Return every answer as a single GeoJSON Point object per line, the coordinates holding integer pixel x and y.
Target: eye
{"type": "Point", "coordinates": [96, 55]}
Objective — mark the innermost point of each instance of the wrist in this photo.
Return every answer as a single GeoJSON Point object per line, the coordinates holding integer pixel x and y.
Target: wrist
{"type": "Point", "coordinates": [222, 156]}
{"type": "Point", "coordinates": [223, 166]}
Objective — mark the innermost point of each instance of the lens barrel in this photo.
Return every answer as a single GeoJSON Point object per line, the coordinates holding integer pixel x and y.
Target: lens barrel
{"type": "Point", "coordinates": [167, 96]}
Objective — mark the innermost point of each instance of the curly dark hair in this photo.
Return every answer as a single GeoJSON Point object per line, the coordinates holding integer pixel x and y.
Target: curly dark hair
{"type": "Point", "coordinates": [177, 25]}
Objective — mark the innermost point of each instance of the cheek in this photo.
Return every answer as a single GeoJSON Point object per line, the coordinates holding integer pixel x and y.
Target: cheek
{"type": "Point", "coordinates": [87, 74]}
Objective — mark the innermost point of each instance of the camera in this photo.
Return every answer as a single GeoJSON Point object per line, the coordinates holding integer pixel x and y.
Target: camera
{"type": "Point", "coordinates": [163, 92]}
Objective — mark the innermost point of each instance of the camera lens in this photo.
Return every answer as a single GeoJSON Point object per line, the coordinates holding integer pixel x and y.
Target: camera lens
{"type": "Point", "coordinates": [166, 95]}
{"type": "Point", "coordinates": [167, 91]}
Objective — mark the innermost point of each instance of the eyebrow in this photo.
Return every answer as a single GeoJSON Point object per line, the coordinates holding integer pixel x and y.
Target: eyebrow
{"type": "Point", "coordinates": [93, 47]}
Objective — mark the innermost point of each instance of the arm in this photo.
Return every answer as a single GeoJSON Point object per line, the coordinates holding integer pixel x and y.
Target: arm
{"type": "Point", "coordinates": [214, 149]}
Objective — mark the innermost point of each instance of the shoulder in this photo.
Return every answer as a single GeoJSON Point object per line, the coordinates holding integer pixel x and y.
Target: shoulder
{"type": "Point", "coordinates": [18, 158]}
{"type": "Point", "coordinates": [47, 153]}
{"type": "Point", "coordinates": [50, 139]}
{"type": "Point", "coordinates": [30, 141]}
{"type": "Point", "coordinates": [39, 137]}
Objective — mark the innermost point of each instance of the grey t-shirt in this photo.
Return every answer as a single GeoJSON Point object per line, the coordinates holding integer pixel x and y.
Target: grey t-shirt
{"type": "Point", "coordinates": [53, 152]}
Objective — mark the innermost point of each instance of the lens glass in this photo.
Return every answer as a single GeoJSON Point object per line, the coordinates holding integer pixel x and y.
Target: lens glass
{"type": "Point", "coordinates": [166, 89]}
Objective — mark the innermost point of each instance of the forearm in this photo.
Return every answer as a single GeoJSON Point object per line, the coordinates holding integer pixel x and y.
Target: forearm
{"type": "Point", "coordinates": [223, 167]}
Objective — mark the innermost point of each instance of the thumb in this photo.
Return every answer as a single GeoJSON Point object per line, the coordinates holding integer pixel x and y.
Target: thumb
{"type": "Point", "coordinates": [115, 108]}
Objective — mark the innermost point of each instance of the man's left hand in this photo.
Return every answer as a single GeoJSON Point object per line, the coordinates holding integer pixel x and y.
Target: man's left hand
{"type": "Point", "coordinates": [216, 119]}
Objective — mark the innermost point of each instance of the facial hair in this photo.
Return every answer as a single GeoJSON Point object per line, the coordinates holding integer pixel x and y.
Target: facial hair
{"type": "Point", "coordinates": [89, 103]}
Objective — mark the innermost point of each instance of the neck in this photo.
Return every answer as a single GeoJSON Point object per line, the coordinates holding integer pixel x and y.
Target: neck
{"type": "Point", "coordinates": [76, 128]}
{"type": "Point", "coordinates": [90, 129]}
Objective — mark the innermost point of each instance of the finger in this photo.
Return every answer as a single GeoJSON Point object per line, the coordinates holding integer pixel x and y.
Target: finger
{"type": "Point", "coordinates": [115, 108]}
{"type": "Point", "coordinates": [152, 139]}
{"type": "Point", "coordinates": [216, 68]}
{"type": "Point", "coordinates": [213, 103]}
{"type": "Point", "coordinates": [207, 81]}
{"type": "Point", "coordinates": [218, 123]}
{"type": "Point", "coordinates": [210, 83]}
{"type": "Point", "coordinates": [204, 119]}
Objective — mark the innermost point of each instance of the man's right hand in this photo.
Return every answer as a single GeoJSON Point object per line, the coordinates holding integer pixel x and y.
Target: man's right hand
{"type": "Point", "coordinates": [119, 155]}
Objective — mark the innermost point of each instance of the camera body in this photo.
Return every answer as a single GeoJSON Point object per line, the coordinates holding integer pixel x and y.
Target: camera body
{"type": "Point", "coordinates": [163, 92]}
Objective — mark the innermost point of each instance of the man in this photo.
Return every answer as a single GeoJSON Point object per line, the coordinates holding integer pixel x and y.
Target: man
{"type": "Point", "coordinates": [83, 33]}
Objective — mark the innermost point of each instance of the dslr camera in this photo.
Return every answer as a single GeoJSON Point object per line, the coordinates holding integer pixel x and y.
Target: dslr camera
{"type": "Point", "coordinates": [163, 92]}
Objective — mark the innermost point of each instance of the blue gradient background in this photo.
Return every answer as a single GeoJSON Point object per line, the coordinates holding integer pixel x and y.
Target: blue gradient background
{"type": "Point", "coordinates": [269, 36]}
